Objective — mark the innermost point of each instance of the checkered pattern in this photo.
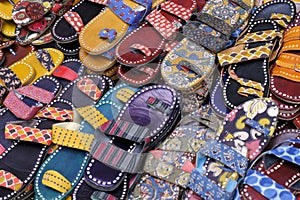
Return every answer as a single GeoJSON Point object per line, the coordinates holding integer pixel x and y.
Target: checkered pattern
{"type": "Point", "coordinates": [58, 114]}
{"type": "Point", "coordinates": [10, 181]}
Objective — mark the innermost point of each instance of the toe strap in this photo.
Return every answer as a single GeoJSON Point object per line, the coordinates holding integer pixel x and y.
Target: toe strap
{"type": "Point", "coordinates": [56, 181]}
{"type": "Point", "coordinates": [10, 181]}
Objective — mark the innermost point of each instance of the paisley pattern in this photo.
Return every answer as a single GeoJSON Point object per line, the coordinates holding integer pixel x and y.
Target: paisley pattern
{"type": "Point", "coordinates": [152, 188]}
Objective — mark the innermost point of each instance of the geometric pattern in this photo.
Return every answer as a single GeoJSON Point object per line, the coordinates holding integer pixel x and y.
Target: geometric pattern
{"type": "Point", "coordinates": [88, 87]}
{"type": "Point", "coordinates": [10, 181]}
{"type": "Point", "coordinates": [17, 132]}
{"type": "Point", "coordinates": [74, 20]}
{"type": "Point", "coordinates": [58, 114]}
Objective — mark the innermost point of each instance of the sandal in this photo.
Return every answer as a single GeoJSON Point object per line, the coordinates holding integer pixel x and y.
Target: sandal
{"type": "Point", "coordinates": [251, 53]}
{"type": "Point", "coordinates": [135, 50]}
{"type": "Point", "coordinates": [242, 137]}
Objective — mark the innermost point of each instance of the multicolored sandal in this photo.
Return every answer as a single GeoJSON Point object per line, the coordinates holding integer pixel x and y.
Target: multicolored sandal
{"type": "Point", "coordinates": [244, 134]}
{"type": "Point", "coordinates": [275, 174]}
{"type": "Point", "coordinates": [187, 65]}
{"type": "Point", "coordinates": [251, 53]}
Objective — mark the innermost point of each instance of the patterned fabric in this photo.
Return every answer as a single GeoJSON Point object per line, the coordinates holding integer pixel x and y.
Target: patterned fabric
{"type": "Point", "coordinates": [92, 116]}
{"type": "Point", "coordinates": [251, 87]}
{"type": "Point", "coordinates": [231, 57]}
{"type": "Point", "coordinates": [127, 14]}
{"type": "Point", "coordinates": [103, 195]}
{"type": "Point", "coordinates": [3, 91]}
{"type": "Point", "coordinates": [57, 181]}
{"type": "Point", "coordinates": [124, 94]}
{"type": "Point", "coordinates": [225, 155]}
{"type": "Point", "coordinates": [258, 36]}
{"type": "Point", "coordinates": [255, 125]}
{"type": "Point", "coordinates": [206, 188]}
{"type": "Point", "coordinates": [19, 108]}
{"type": "Point", "coordinates": [45, 59]}
{"type": "Point", "coordinates": [117, 158]}
{"type": "Point", "coordinates": [152, 188]}
{"type": "Point", "coordinates": [145, 50]}
{"type": "Point", "coordinates": [243, 4]}
{"type": "Point", "coordinates": [158, 105]}
{"type": "Point", "coordinates": [58, 114]}
{"type": "Point", "coordinates": [127, 130]}
{"type": "Point", "coordinates": [176, 9]}
{"type": "Point", "coordinates": [281, 19]}
{"type": "Point", "coordinates": [102, 2]}
{"type": "Point", "coordinates": [70, 138]}
{"type": "Point", "coordinates": [109, 34]}
{"type": "Point", "coordinates": [17, 132]}
{"type": "Point", "coordinates": [88, 87]}
{"type": "Point", "coordinates": [36, 93]}
{"type": "Point", "coordinates": [9, 78]}
{"type": "Point", "coordinates": [166, 170]}
{"type": "Point", "coordinates": [162, 24]}
{"type": "Point", "coordinates": [74, 20]}
{"type": "Point", "coordinates": [10, 181]}
{"type": "Point", "coordinates": [266, 186]}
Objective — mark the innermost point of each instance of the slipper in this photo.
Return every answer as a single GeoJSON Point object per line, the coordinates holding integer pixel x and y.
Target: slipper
{"type": "Point", "coordinates": [281, 11]}
{"type": "Point", "coordinates": [8, 28]}
{"type": "Point", "coordinates": [187, 65]}
{"type": "Point", "coordinates": [140, 75]}
{"type": "Point", "coordinates": [83, 91]}
{"type": "Point", "coordinates": [244, 134]}
{"type": "Point", "coordinates": [274, 174]}
{"type": "Point", "coordinates": [26, 34]}
{"type": "Point", "coordinates": [114, 24]}
{"type": "Point", "coordinates": [162, 24]}
{"type": "Point", "coordinates": [46, 38]}
{"type": "Point", "coordinates": [6, 8]}
{"type": "Point", "coordinates": [63, 31]}
{"type": "Point", "coordinates": [214, 24]}
{"type": "Point", "coordinates": [18, 153]}
{"type": "Point", "coordinates": [42, 62]}
{"type": "Point", "coordinates": [118, 95]}
{"type": "Point", "coordinates": [251, 53]}
{"type": "Point", "coordinates": [14, 53]}
{"type": "Point", "coordinates": [97, 63]}
{"type": "Point", "coordinates": [84, 191]}
{"type": "Point", "coordinates": [285, 73]}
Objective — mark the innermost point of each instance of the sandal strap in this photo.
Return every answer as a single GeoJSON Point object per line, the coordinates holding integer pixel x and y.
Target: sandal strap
{"type": "Point", "coordinates": [9, 78]}
{"type": "Point", "coordinates": [226, 155]}
{"type": "Point", "coordinates": [65, 73]}
{"type": "Point", "coordinates": [45, 59]}
{"type": "Point", "coordinates": [57, 114]}
{"type": "Point", "coordinates": [29, 134]}
{"type": "Point", "coordinates": [145, 50]}
{"type": "Point", "coordinates": [10, 181]}
{"type": "Point", "coordinates": [272, 188]}
{"type": "Point", "coordinates": [74, 19]}
{"type": "Point", "coordinates": [88, 87]}
{"type": "Point", "coordinates": [36, 93]}
{"type": "Point", "coordinates": [177, 10]}
{"type": "Point", "coordinates": [246, 5]}
{"type": "Point", "coordinates": [159, 105]}
{"type": "Point", "coordinates": [127, 130]}
{"type": "Point", "coordinates": [251, 87]}
{"type": "Point", "coordinates": [93, 116]}
{"type": "Point", "coordinates": [147, 70]}
{"type": "Point", "coordinates": [281, 19]}
{"type": "Point", "coordinates": [207, 188]}
{"type": "Point", "coordinates": [127, 14]}
{"type": "Point", "coordinates": [56, 181]}
{"type": "Point", "coordinates": [292, 34]}
{"type": "Point", "coordinates": [124, 94]}
{"type": "Point", "coordinates": [259, 36]}
{"type": "Point", "coordinates": [234, 55]}
{"type": "Point", "coordinates": [117, 158]}
{"type": "Point", "coordinates": [71, 138]}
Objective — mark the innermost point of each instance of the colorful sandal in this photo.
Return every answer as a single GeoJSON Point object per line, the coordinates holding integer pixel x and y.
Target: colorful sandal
{"type": "Point", "coordinates": [65, 30]}
{"type": "Point", "coordinates": [162, 25]}
{"type": "Point", "coordinates": [243, 136]}
{"type": "Point", "coordinates": [242, 84]}
{"type": "Point", "coordinates": [275, 175]}
{"type": "Point", "coordinates": [187, 65]}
